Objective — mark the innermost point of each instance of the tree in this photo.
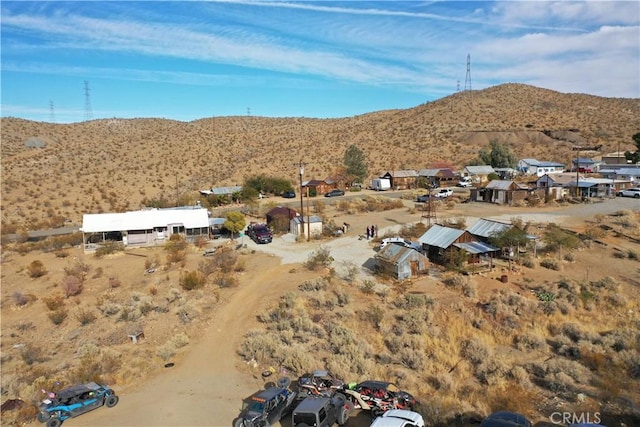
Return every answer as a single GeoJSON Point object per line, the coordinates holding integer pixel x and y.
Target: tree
{"type": "Point", "coordinates": [235, 222]}
{"type": "Point", "coordinates": [509, 238]}
{"type": "Point", "coordinates": [634, 157]}
{"type": "Point", "coordinates": [499, 157]}
{"type": "Point", "coordinates": [355, 163]}
{"type": "Point", "coordinates": [556, 239]}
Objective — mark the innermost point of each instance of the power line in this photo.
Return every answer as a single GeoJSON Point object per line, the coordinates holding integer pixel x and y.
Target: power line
{"type": "Point", "coordinates": [52, 114]}
{"type": "Point", "coordinates": [88, 111]}
{"type": "Point", "coordinates": [467, 80]}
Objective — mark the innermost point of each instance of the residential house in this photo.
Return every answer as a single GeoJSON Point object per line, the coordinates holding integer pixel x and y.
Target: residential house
{"type": "Point", "coordinates": [305, 226]}
{"type": "Point", "coordinates": [615, 158]}
{"type": "Point", "coordinates": [222, 191]}
{"type": "Point", "coordinates": [630, 175]}
{"type": "Point", "coordinates": [279, 218]}
{"type": "Point", "coordinates": [402, 179]}
{"type": "Point", "coordinates": [318, 187]}
{"type": "Point", "coordinates": [555, 185]}
{"type": "Point", "coordinates": [438, 177]}
{"type": "Point", "coordinates": [484, 229]}
{"type": "Point", "coordinates": [506, 173]}
{"type": "Point", "coordinates": [504, 192]}
{"type": "Point", "coordinates": [536, 167]}
{"type": "Point", "coordinates": [592, 187]}
{"type": "Point", "coordinates": [479, 174]}
{"type": "Point", "coordinates": [585, 165]}
{"type": "Point", "coordinates": [145, 227]}
{"type": "Point", "coordinates": [446, 245]}
{"type": "Point", "coordinates": [401, 262]}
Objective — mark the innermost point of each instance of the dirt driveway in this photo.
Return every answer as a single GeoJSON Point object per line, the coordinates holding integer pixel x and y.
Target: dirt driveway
{"type": "Point", "coordinates": [207, 385]}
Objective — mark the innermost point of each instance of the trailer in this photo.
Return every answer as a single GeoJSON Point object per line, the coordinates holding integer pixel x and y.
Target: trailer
{"type": "Point", "coordinates": [381, 184]}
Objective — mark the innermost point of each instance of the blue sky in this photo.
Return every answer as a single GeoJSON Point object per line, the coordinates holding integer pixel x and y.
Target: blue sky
{"type": "Point", "coordinates": [188, 60]}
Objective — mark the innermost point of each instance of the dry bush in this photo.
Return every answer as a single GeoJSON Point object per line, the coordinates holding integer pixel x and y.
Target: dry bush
{"type": "Point", "coordinates": [36, 269]}
{"type": "Point", "coordinates": [71, 286]}
{"type": "Point", "coordinates": [318, 284]}
{"type": "Point", "coordinates": [190, 280]}
{"type": "Point", "coordinates": [108, 248]}
{"type": "Point", "coordinates": [176, 249]}
{"type": "Point", "coordinates": [475, 351]}
{"type": "Point", "coordinates": [20, 299]}
{"type": "Point", "coordinates": [85, 317]}
{"type": "Point", "coordinates": [551, 264]}
{"type": "Point", "coordinates": [53, 302]}
{"type": "Point", "coordinates": [58, 316]}
{"type": "Point", "coordinates": [31, 354]}
{"type": "Point", "coordinates": [226, 280]}
{"type": "Point", "coordinates": [78, 270]}
{"type": "Point", "coordinates": [515, 398]}
{"type": "Point", "coordinates": [260, 346]}
{"type": "Point", "coordinates": [321, 257]}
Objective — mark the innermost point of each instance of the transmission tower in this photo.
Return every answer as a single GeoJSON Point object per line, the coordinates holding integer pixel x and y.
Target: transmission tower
{"type": "Point", "coordinates": [467, 79]}
{"type": "Point", "coordinates": [52, 113]}
{"type": "Point", "coordinates": [88, 112]}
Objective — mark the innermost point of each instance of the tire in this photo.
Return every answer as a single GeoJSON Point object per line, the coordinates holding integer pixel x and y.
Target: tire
{"type": "Point", "coordinates": [343, 416]}
{"type": "Point", "coordinates": [54, 422]}
{"type": "Point", "coordinates": [341, 397]}
{"type": "Point", "coordinates": [283, 382]}
{"type": "Point", "coordinates": [239, 422]}
{"type": "Point", "coordinates": [637, 196]}
{"type": "Point", "coordinates": [111, 401]}
{"type": "Point", "coordinates": [42, 417]}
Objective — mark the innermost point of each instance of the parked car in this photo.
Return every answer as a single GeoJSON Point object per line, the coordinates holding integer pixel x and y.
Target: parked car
{"type": "Point", "coordinates": [400, 241]}
{"type": "Point", "coordinates": [630, 192]}
{"type": "Point", "coordinates": [290, 194]}
{"type": "Point", "coordinates": [465, 181]}
{"type": "Point", "coordinates": [423, 198]}
{"type": "Point", "coordinates": [319, 383]}
{"type": "Point", "coordinates": [74, 401]}
{"type": "Point", "coordinates": [379, 397]}
{"type": "Point", "coordinates": [267, 407]}
{"type": "Point", "coordinates": [322, 411]}
{"type": "Point", "coordinates": [334, 193]}
{"type": "Point", "coordinates": [259, 233]}
{"type": "Point", "coordinates": [443, 193]}
{"type": "Point", "coordinates": [506, 419]}
{"type": "Point", "coordinates": [399, 418]}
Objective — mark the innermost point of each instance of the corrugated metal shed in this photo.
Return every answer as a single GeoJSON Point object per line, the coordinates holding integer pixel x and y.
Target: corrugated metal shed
{"type": "Point", "coordinates": [499, 184]}
{"type": "Point", "coordinates": [487, 228]}
{"type": "Point", "coordinates": [439, 236]}
{"type": "Point", "coordinates": [219, 191]}
{"type": "Point", "coordinates": [476, 247]}
{"type": "Point", "coordinates": [401, 174]}
{"type": "Point", "coordinates": [480, 170]}
{"type": "Point", "coordinates": [314, 218]}
{"type": "Point", "coordinates": [144, 220]}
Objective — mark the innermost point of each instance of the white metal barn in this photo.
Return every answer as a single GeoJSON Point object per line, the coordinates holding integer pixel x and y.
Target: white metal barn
{"type": "Point", "coordinates": [144, 228]}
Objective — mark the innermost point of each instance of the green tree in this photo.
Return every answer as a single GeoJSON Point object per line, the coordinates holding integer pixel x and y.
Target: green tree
{"type": "Point", "coordinates": [635, 156]}
{"type": "Point", "coordinates": [557, 239]}
{"type": "Point", "coordinates": [499, 157]}
{"type": "Point", "coordinates": [235, 222]}
{"type": "Point", "coordinates": [355, 163]}
{"type": "Point", "coordinates": [512, 237]}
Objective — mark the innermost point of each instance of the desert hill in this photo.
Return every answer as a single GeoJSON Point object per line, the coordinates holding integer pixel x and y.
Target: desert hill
{"type": "Point", "coordinates": [114, 164]}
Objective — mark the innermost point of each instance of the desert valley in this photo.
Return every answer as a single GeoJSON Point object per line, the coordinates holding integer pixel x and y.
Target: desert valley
{"type": "Point", "coordinates": [555, 331]}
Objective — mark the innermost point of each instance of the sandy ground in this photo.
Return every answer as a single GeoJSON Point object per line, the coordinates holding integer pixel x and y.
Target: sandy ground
{"type": "Point", "coordinates": [207, 384]}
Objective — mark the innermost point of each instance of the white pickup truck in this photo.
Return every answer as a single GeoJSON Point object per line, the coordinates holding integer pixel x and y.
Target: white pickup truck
{"type": "Point", "coordinates": [443, 193]}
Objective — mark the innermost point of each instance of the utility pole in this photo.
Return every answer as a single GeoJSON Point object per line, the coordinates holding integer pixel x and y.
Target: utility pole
{"type": "Point", "coordinates": [301, 170]}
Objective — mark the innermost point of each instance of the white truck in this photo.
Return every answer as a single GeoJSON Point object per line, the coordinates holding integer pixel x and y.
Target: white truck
{"type": "Point", "coordinates": [381, 184]}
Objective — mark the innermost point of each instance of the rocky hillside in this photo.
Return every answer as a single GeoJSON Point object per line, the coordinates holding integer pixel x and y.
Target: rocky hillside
{"type": "Point", "coordinates": [114, 164]}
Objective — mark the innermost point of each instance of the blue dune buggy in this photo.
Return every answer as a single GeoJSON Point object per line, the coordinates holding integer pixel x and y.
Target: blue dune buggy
{"type": "Point", "coordinates": [74, 401]}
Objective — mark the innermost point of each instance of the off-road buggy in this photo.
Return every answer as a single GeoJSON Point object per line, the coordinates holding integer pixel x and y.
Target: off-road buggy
{"type": "Point", "coordinates": [378, 397]}
{"type": "Point", "coordinates": [74, 401]}
{"type": "Point", "coordinates": [319, 383]}
{"type": "Point", "coordinates": [267, 407]}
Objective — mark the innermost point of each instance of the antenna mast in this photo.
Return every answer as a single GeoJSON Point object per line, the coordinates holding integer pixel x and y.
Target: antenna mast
{"type": "Point", "coordinates": [88, 111]}
{"type": "Point", "coordinates": [467, 80]}
{"type": "Point", "coordinates": [52, 114]}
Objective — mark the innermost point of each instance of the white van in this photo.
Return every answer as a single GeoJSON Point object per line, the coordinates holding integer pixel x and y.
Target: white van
{"type": "Point", "coordinates": [465, 181]}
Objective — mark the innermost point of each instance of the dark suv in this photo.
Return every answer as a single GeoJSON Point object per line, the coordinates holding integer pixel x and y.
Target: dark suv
{"type": "Point", "coordinates": [259, 233]}
{"type": "Point", "coordinates": [322, 411]}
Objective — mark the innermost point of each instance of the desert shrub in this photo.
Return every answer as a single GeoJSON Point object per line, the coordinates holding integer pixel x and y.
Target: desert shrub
{"type": "Point", "coordinates": [319, 284]}
{"type": "Point", "coordinates": [551, 264]}
{"type": "Point", "coordinates": [529, 342]}
{"type": "Point", "coordinates": [226, 280]}
{"type": "Point", "coordinates": [108, 248]}
{"type": "Point", "coordinates": [191, 280]}
{"type": "Point", "coordinates": [631, 254]}
{"type": "Point", "coordinates": [36, 269]}
{"type": "Point", "coordinates": [350, 271]}
{"type": "Point", "coordinates": [259, 346]}
{"type": "Point", "coordinates": [85, 317]}
{"type": "Point", "coordinates": [58, 316]}
{"type": "Point", "coordinates": [374, 315]}
{"type": "Point", "coordinates": [78, 270]}
{"type": "Point", "coordinates": [110, 308]}
{"type": "Point", "coordinates": [413, 301]}
{"type": "Point", "coordinates": [570, 257]}
{"type": "Point", "coordinates": [176, 249]}
{"type": "Point", "coordinates": [608, 283]}
{"type": "Point", "coordinates": [343, 298]}
{"type": "Point", "coordinates": [412, 322]}
{"type": "Point", "coordinates": [114, 282]}
{"type": "Point", "coordinates": [515, 398]}
{"type": "Point", "coordinates": [20, 299]}
{"type": "Point", "coordinates": [187, 313]}
{"type": "Point", "coordinates": [321, 257]}
{"type": "Point", "coordinates": [71, 286]}
{"type": "Point", "coordinates": [529, 262]}
{"type": "Point", "coordinates": [53, 302]}
{"type": "Point", "coordinates": [368, 287]}
{"type": "Point", "coordinates": [619, 254]}
{"type": "Point", "coordinates": [412, 359]}
{"type": "Point", "coordinates": [475, 350]}
{"type": "Point", "coordinates": [617, 300]}
{"type": "Point", "coordinates": [31, 354]}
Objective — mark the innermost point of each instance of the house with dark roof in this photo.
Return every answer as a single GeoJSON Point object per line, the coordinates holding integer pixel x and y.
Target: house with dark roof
{"type": "Point", "coordinates": [439, 176]}
{"type": "Point", "coordinates": [539, 168]}
{"type": "Point", "coordinates": [319, 187]}
{"type": "Point", "coordinates": [504, 192]}
{"type": "Point", "coordinates": [401, 262]}
{"type": "Point", "coordinates": [278, 218]}
{"type": "Point", "coordinates": [555, 186]}
{"type": "Point", "coordinates": [402, 179]}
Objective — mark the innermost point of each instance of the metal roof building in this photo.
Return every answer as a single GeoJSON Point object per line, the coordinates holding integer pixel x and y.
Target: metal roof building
{"type": "Point", "coordinates": [486, 228]}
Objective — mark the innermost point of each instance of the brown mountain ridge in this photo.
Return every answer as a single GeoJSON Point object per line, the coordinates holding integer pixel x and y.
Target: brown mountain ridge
{"type": "Point", "coordinates": [114, 164]}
